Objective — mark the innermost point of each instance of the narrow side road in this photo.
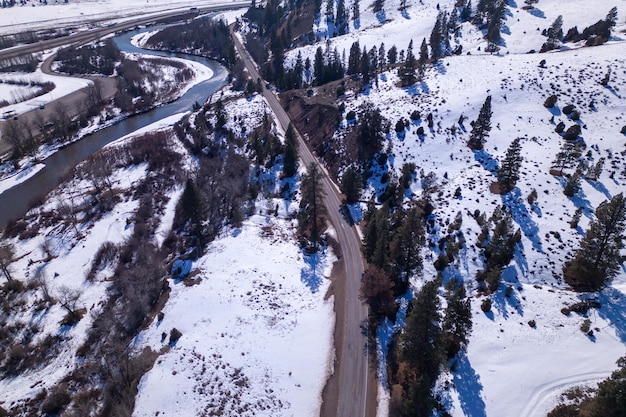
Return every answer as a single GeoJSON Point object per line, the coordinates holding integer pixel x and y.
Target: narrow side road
{"type": "Point", "coordinates": [354, 377]}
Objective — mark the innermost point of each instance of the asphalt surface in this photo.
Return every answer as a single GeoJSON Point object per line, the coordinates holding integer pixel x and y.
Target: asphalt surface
{"type": "Point", "coordinates": [352, 367]}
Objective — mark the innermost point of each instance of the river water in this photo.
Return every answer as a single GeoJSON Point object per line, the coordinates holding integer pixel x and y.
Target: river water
{"type": "Point", "coordinates": [16, 201]}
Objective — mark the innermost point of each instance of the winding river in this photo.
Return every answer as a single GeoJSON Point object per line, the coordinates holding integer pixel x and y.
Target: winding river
{"type": "Point", "coordinates": [16, 201]}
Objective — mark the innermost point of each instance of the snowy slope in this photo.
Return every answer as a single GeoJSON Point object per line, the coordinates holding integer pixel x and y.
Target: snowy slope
{"type": "Point", "coordinates": [510, 368]}
{"type": "Point", "coordinates": [257, 332]}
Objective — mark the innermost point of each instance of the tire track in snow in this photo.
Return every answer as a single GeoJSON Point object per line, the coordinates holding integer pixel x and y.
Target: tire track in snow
{"type": "Point", "coordinates": [549, 390]}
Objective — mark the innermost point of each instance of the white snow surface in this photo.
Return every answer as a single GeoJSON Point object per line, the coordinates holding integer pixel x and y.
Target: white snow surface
{"type": "Point", "coordinates": [257, 332]}
{"type": "Point", "coordinates": [510, 368]}
{"type": "Point", "coordinates": [55, 14]}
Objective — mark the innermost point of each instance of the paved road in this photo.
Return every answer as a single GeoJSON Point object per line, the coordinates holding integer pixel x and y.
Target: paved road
{"type": "Point", "coordinates": [353, 364]}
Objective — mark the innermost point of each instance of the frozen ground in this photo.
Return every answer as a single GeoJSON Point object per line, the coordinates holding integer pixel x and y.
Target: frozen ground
{"type": "Point", "coordinates": [257, 331]}
{"type": "Point", "coordinates": [55, 14]}
{"type": "Point", "coordinates": [510, 368]}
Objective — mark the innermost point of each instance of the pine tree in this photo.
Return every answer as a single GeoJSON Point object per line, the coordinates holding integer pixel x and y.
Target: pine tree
{"type": "Point", "coordinates": [193, 208]}
{"type": "Point", "coordinates": [352, 185]}
{"type": "Point", "coordinates": [421, 341]}
{"type": "Point", "coordinates": [406, 244]}
{"type": "Point", "coordinates": [595, 171]}
{"type": "Point", "coordinates": [572, 186]}
{"type": "Point", "coordinates": [597, 260]}
{"type": "Point", "coordinates": [382, 56]}
{"type": "Point", "coordinates": [341, 20]}
{"type": "Point", "coordinates": [407, 71]}
{"type": "Point", "coordinates": [508, 174]}
{"type": "Point", "coordinates": [354, 59]}
{"type": "Point", "coordinates": [290, 159]}
{"type": "Point", "coordinates": [423, 58]}
{"type": "Point", "coordinates": [318, 66]}
{"type": "Point", "coordinates": [457, 322]}
{"type": "Point", "coordinates": [576, 218]}
{"type": "Point", "coordinates": [356, 14]}
{"type": "Point", "coordinates": [312, 209]}
{"type": "Point", "coordinates": [566, 157]}
{"type": "Point", "coordinates": [482, 126]}
{"type": "Point", "coordinates": [365, 66]}
{"type": "Point", "coordinates": [436, 40]}
{"type": "Point", "coordinates": [466, 13]}
{"type": "Point", "coordinates": [392, 55]}
{"type": "Point", "coordinates": [501, 247]}
{"type": "Point", "coordinates": [379, 6]}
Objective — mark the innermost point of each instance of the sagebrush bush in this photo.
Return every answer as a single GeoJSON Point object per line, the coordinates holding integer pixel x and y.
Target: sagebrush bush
{"type": "Point", "coordinates": [175, 334]}
{"type": "Point", "coordinates": [485, 306]}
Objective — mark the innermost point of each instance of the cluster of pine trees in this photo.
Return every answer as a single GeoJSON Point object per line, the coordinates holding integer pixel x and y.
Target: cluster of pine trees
{"type": "Point", "coordinates": [425, 346]}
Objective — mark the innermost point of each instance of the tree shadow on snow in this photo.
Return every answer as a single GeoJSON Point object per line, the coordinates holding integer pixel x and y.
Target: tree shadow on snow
{"type": "Point", "coordinates": [598, 186]}
{"type": "Point", "coordinates": [537, 13]}
{"type": "Point", "coordinates": [500, 300]}
{"type": "Point", "coordinates": [382, 17]}
{"type": "Point", "coordinates": [405, 14]}
{"type": "Point", "coordinates": [469, 388]}
{"type": "Point", "coordinates": [514, 202]}
{"type": "Point", "coordinates": [310, 274]}
{"type": "Point", "coordinates": [614, 310]}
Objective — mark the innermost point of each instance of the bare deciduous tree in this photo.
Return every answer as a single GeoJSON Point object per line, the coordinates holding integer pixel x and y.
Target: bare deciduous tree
{"type": "Point", "coordinates": [7, 251]}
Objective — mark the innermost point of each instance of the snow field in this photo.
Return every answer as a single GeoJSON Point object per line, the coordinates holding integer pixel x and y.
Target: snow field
{"type": "Point", "coordinates": [257, 331]}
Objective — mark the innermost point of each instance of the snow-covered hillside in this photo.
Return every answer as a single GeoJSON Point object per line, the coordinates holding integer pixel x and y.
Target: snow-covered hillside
{"type": "Point", "coordinates": [510, 368]}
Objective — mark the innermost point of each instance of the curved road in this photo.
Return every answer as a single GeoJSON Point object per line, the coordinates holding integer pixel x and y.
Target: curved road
{"type": "Point", "coordinates": [352, 368]}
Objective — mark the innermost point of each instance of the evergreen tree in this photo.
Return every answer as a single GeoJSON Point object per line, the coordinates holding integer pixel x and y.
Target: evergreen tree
{"type": "Point", "coordinates": [555, 35]}
{"type": "Point", "coordinates": [423, 59]}
{"type": "Point", "coordinates": [352, 185]}
{"type": "Point", "coordinates": [356, 13]}
{"type": "Point", "coordinates": [392, 55]}
{"type": "Point", "coordinates": [312, 209]}
{"type": "Point", "coordinates": [466, 13]}
{"type": "Point", "coordinates": [482, 126]}
{"type": "Point", "coordinates": [508, 174]}
{"type": "Point", "coordinates": [595, 171]}
{"type": "Point", "coordinates": [572, 186]}
{"type": "Point", "coordinates": [341, 20]}
{"type": "Point", "coordinates": [354, 59]}
{"type": "Point", "coordinates": [193, 209]}
{"type": "Point", "coordinates": [421, 341]}
{"type": "Point", "coordinates": [598, 258]}
{"type": "Point", "coordinates": [406, 243]}
{"type": "Point", "coordinates": [318, 66]}
{"type": "Point", "coordinates": [290, 160]}
{"type": "Point", "coordinates": [407, 71]}
{"type": "Point", "coordinates": [379, 5]}
{"type": "Point", "coordinates": [365, 66]}
{"type": "Point", "coordinates": [436, 40]}
{"type": "Point", "coordinates": [566, 157]}
{"type": "Point", "coordinates": [457, 322]}
{"type": "Point", "coordinates": [501, 247]}
{"type": "Point", "coordinates": [495, 22]}
{"type": "Point", "coordinates": [382, 56]}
